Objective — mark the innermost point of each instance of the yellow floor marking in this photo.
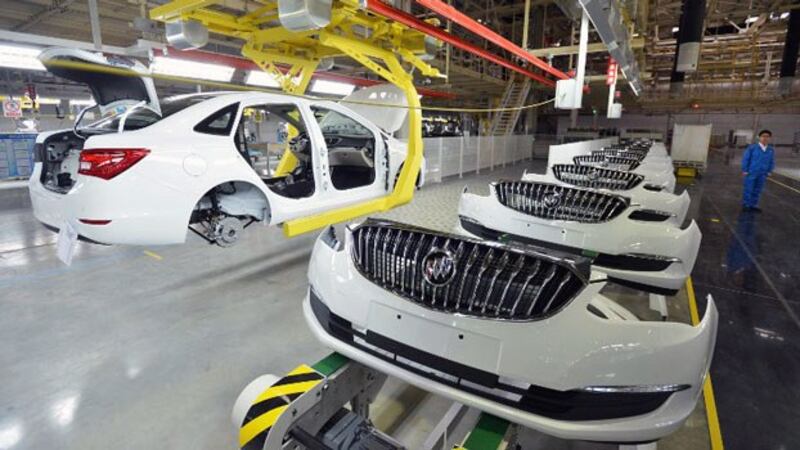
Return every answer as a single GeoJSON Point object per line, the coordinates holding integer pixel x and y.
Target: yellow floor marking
{"type": "Point", "coordinates": [714, 431]}
{"type": "Point", "coordinates": [784, 185]}
{"type": "Point", "coordinates": [153, 255]}
{"type": "Point", "coordinates": [715, 220]}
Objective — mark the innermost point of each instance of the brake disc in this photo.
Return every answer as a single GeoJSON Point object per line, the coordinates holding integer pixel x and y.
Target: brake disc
{"type": "Point", "coordinates": [227, 231]}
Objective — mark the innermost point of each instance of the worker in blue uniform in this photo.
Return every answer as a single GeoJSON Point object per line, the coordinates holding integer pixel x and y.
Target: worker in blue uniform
{"type": "Point", "coordinates": [757, 164]}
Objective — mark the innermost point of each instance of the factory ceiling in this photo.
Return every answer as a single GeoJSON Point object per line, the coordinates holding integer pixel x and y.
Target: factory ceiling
{"type": "Point", "coordinates": [740, 55]}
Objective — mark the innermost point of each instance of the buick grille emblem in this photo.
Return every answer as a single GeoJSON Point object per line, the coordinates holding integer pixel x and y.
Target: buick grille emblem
{"type": "Point", "coordinates": [438, 267]}
{"type": "Point", "coordinates": [552, 199]}
{"type": "Point", "coordinates": [593, 175]}
{"type": "Point", "coordinates": [604, 163]}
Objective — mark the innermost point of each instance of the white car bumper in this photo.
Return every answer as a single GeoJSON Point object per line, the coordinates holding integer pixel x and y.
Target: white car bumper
{"type": "Point", "coordinates": [617, 245]}
{"type": "Point", "coordinates": [140, 211]}
{"type": "Point", "coordinates": [677, 205]}
{"type": "Point", "coordinates": [534, 373]}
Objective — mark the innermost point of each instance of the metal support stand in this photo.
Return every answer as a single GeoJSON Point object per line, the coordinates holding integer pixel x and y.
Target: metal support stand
{"type": "Point", "coordinates": [649, 446]}
{"type": "Point", "coordinates": [659, 303]}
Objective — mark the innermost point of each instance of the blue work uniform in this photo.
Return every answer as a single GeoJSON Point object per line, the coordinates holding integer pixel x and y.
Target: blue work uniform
{"type": "Point", "coordinates": [757, 163]}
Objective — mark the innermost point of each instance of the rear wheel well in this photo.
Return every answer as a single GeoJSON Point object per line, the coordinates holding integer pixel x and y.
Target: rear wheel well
{"type": "Point", "coordinates": [224, 211]}
{"type": "Point", "coordinates": [236, 198]}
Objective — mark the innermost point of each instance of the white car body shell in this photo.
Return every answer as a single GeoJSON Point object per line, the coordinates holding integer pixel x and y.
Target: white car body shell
{"type": "Point", "coordinates": [618, 236]}
{"type": "Point", "coordinates": [677, 205]}
{"type": "Point", "coordinates": [571, 349]}
{"type": "Point", "coordinates": [151, 202]}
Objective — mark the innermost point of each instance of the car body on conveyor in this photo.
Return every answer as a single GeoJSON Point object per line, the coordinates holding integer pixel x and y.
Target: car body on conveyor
{"type": "Point", "coordinates": [506, 329]}
{"type": "Point", "coordinates": [640, 248]}
{"type": "Point", "coordinates": [146, 170]}
{"type": "Point", "coordinates": [629, 184]}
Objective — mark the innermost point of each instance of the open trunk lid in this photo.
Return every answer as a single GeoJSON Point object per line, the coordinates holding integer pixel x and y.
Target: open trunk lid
{"type": "Point", "coordinates": [113, 92]}
{"type": "Point", "coordinates": [368, 102]}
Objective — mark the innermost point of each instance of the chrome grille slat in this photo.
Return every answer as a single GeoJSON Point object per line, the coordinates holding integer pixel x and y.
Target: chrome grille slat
{"type": "Point", "coordinates": [580, 205]}
{"type": "Point", "coordinates": [596, 177]}
{"type": "Point", "coordinates": [607, 162]}
{"type": "Point", "coordinates": [542, 287]}
{"type": "Point", "coordinates": [485, 266]}
{"type": "Point", "coordinates": [500, 267]}
{"type": "Point", "coordinates": [490, 280]}
{"type": "Point", "coordinates": [518, 265]}
{"type": "Point", "coordinates": [467, 267]}
{"type": "Point", "coordinates": [624, 153]}
{"type": "Point", "coordinates": [525, 285]}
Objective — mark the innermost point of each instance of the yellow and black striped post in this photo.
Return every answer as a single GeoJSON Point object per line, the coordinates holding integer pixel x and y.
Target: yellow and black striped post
{"type": "Point", "coordinates": [268, 407]}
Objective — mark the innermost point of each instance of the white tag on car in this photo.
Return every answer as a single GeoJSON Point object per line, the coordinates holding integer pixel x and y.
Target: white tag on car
{"type": "Point", "coordinates": [67, 241]}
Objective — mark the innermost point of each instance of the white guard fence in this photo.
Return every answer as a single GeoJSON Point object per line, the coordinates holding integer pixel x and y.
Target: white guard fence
{"type": "Point", "coordinates": [451, 156]}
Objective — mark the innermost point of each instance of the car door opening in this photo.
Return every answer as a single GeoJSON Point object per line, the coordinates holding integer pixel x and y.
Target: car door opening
{"type": "Point", "coordinates": [264, 134]}
{"type": "Point", "coordinates": [351, 149]}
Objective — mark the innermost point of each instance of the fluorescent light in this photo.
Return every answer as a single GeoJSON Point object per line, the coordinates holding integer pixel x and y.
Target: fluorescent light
{"type": "Point", "coordinates": [191, 69]}
{"type": "Point", "coordinates": [675, 29]}
{"type": "Point", "coordinates": [751, 19]}
{"type": "Point", "coordinates": [48, 101]}
{"type": "Point", "coordinates": [332, 87]}
{"type": "Point", "coordinates": [261, 78]}
{"type": "Point", "coordinates": [81, 102]}
{"type": "Point", "coordinates": [20, 57]}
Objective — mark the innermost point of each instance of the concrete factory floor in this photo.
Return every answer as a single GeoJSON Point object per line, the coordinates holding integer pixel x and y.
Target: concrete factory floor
{"type": "Point", "coordinates": [137, 348]}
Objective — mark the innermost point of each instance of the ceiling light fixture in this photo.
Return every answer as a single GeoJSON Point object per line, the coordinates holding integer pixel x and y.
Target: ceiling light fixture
{"type": "Point", "coordinates": [260, 78]}
{"type": "Point", "coordinates": [191, 69]}
{"type": "Point", "coordinates": [48, 101]}
{"type": "Point", "coordinates": [18, 57]}
{"type": "Point", "coordinates": [332, 87]}
{"type": "Point", "coordinates": [81, 102]}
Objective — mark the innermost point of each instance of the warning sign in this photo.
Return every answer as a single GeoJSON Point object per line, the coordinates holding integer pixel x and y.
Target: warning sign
{"type": "Point", "coordinates": [12, 108]}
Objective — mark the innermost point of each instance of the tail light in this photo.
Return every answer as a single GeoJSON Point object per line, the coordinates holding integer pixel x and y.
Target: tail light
{"type": "Point", "coordinates": [106, 163]}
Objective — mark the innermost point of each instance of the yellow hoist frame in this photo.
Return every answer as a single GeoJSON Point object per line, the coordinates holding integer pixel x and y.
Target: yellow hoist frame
{"type": "Point", "coordinates": [376, 42]}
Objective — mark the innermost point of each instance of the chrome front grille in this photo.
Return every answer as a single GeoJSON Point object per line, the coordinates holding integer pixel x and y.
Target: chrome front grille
{"type": "Point", "coordinates": [554, 202]}
{"type": "Point", "coordinates": [483, 279]}
{"type": "Point", "coordinates": [632, 154]}
{"type": "Point", "coordinates": [596, 178]}
{"type": "Point", "coordinates": [607, 162]}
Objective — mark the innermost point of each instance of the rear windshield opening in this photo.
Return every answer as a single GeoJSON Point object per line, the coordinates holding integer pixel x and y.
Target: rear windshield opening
{"type": "Point", "coordinates": [142, 116]}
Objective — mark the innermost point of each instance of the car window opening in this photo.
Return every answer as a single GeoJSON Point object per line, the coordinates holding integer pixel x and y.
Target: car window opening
{"type": "Point", "coordinates": [265, 132]}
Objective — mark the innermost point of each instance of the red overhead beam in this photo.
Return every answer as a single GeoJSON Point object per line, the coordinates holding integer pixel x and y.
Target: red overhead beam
{"type": "Point", "coordinates": [378, 7]}
{"type": "Point", "coordinates": [449, 12]}
{"type": "Point", "coordinates": [246, 64]}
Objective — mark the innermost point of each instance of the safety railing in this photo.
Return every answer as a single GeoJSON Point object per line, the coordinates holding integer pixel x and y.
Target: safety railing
{"type": "Point", "coordinates": [459, 155]}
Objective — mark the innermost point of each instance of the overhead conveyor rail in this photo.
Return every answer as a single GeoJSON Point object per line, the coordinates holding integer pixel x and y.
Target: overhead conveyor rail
{"type": "Point", "coordinates": [451, 13]}
{"type": "Point", "coordinates": [385, 10]}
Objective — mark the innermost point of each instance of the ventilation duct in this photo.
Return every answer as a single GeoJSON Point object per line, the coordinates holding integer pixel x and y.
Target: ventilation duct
{"type": "Point", "coordinates": [690, 35]}
{"type": "Point", "coordinates": [790, 49]}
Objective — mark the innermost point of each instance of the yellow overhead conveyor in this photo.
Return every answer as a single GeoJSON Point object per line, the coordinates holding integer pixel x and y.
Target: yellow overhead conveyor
{"type": "Point", "coordinates": [378, 43]}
